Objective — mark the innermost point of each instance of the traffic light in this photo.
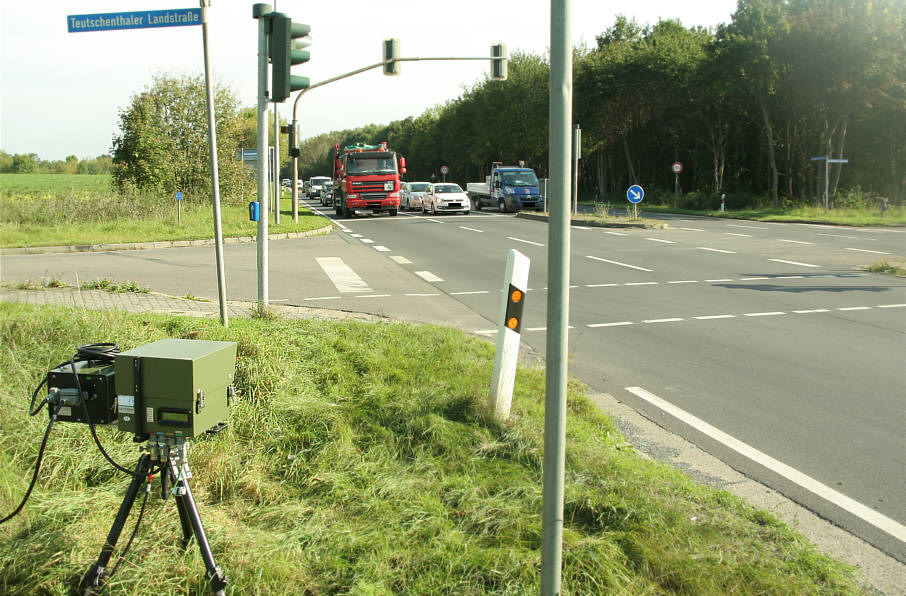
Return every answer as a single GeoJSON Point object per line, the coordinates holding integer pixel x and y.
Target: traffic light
{"type": "Point", "coordinates": [286, 39]}
{"type": "Point", "coordinates": [391, 52]}
{"type": "Point", "coordinates": [294, 140]}
{"type": "Point", "coordinates": [498, 62]}
{"type": "Point", "coordinates": [515, 300]}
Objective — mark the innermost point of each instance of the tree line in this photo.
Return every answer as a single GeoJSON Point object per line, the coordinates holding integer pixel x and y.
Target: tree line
{"type": "Point", "coordinates": [744, 107]}
{"type": "Point", "coordinates": [30, 163]}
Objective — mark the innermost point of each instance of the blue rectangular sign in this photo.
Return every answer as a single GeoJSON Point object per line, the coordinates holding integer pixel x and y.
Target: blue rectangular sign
{"type": "Point", "coordinates": [141, 19]}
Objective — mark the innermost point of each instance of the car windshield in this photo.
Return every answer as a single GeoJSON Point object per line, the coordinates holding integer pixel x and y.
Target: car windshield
{"type": "Point", "coordinates": [446, 188]}
{"type": "Point", "coordinates": [520, 178]}
{"type": "Point", "coordinates": [418, 186]}
{"type": "Point", "coordinates": [370, 165]}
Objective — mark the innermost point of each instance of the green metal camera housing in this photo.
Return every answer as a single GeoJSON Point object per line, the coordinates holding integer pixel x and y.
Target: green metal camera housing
{"type": "Point", "coordinates": [174, 387]}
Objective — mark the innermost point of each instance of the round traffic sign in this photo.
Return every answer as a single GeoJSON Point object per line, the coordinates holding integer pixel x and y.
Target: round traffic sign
{"type": "Point", "coordinates": [444, 170]}
{"type": "Point", "coordinates": [635, 193]}
{"type": "Point", "coordinates": [677, 167]}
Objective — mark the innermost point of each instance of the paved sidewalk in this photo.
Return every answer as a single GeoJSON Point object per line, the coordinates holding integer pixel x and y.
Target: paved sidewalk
{"type": "Point", "coordinates": [173, 305]}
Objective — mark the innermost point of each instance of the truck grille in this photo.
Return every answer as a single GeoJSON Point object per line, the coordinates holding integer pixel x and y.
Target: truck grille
{"type": "Point", "coordinates": [373, 196]}
{"type": "Point", "coordinates": [364, 187]}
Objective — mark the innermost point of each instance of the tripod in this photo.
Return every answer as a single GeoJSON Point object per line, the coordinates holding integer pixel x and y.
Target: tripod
{"type": "Point", "coordinates": [170, 453]}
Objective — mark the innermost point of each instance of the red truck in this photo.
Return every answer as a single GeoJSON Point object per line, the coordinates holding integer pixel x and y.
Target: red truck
{"type": "Point", "coordinates": [367, 177]}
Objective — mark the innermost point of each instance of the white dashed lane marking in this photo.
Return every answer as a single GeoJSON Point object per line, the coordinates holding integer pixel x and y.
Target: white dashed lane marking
{"type": "Point", "coordinates": [619, 263]}
{"type": "Point", "coordinates": [876, 252]}
{"type": "Point", "coordinates": [428, 276]}
{"type": "Point", "coordinates": [793, 263]}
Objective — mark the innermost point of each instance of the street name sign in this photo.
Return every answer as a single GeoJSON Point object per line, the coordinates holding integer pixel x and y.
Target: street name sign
{"type": "Point", "coordinates": [635, 193]}
{"type": "Point", "coordinates": [139, 19]}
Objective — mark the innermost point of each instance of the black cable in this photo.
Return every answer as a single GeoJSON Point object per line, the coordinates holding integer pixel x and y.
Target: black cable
{"type": "Point", "coordinates": [34, 478]}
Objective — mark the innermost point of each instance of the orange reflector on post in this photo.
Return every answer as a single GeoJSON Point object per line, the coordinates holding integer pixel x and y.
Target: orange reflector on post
{"type": "Point", "coordinates": [516, 295]}
{"type": "Point", "coordinates": [514, 304]}
{"type": "Point", "coordinates": [512, 322]}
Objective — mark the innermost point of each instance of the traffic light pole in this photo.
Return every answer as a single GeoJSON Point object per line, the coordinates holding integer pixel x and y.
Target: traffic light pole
{"type": "Point", "coordinates": [259, 11]}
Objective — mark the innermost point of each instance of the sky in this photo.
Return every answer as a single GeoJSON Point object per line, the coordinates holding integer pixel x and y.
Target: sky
{"type": "Point", "coordinates": [61, 93]}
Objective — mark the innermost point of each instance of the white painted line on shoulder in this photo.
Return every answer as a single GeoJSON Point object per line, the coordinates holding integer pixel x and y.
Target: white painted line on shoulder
{"type": "Point", "coordinates": [717, 280]}
{"type": "Point", "coordinates": [367, 240]}
{"type": "Point", "coordinates": [428, 276]}
{"type": "Point", "coordinates": [435, 220]}
{"type": "Point", "coordinates": [790, 277]}
{"type": "Point", "coordinates": [683, 281]}
{"type": "Point", "coordinates": [618, 324]}
{"type": "Point", "coordinates": [324, 298]}
{"type": "Point", "coordinates": [752, 278]}
{"type": "Point", "coordinates": [793, 263]}
{"type": "Point", "coordinates": [469, 293]}
{"type": "Point", "coordinates": [524, 241]}
{"type": "Point", "coordinates": [764, 314]}
{"type": "Point", "coordinates": [674, 320]}
{"type": "Point", "coordinates": [471, 229]}
{"type": "Point", "coordinates": [581, 228]}
{"type": "Point", "coordinates": [891, 305]}
{"type": "Point", "coordinates": [373, 296]}
{"type": "Point", "coordinates": [401, 260]}
{"type": "Point", "coordinates": [794, 241]}
{"type": "Point", "coordinates": [837, 236]}
{"type": "Point", "coordinates": [692, 229]}
{"type": "Point", "coordinates": [709, 317]}
{"type": "Point", "coordinates": [661, 240]}
{"type": "Point", "coordinates": [599, 286]}
{"type": "Point", "coordinates": [485, 331]}
{"type": "Point", "coordinates": [749, 227]}
{"type": "Point", "coordinates": [641, 283]}
{"type": "Point", "coordinates": [855, 308]}
{"type": "Point", "coordinates": [341, 275]}
{"type": "Point", "coordinates": [620, 264]}
{"type": "Point", "coordinates": [381, 249]}
{"type": "Point", "coordinates": [876, 252]}
{"type": "Point", "coordinates": [536, 328]}
{"type": "Point", "coordinates": [871, 516]}
{"type": "Point", "coordinates": [355, 235]}
{"type": "Point", "coordinates": [421, 295]}
{"type": "Point", "coordinates": [810, 311]}
{"type": "Point", "coordinates": [735, 234]}
{"type": "Point", "coordinates": [615, 233]}
{"type": "Point", "coordinates": [729, 252]}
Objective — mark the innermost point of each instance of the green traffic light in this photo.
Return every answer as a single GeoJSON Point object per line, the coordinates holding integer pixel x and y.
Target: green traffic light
{"type": "Point", "coordinates": [286, 36]}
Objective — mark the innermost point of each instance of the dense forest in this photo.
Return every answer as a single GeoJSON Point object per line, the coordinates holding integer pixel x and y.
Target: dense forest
{"type": "Point", "coordinates": [744, 107]}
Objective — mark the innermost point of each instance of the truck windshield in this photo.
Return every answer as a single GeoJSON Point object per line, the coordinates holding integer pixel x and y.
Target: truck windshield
{"type": "Point", "coordinates": [370, 165]}
{"type": "Point", "coordinates": [520, 179]}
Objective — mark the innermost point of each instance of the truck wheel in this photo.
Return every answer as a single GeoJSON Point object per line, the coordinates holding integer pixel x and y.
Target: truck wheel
{"type": "Point", "coordinates": [336, 208]}
{"type": "Point", "coordinates": [477, 204]}
{"type": "Point", "coordinates": [392, 212]}
{"type": "Point", "coordinates": [501, 205]}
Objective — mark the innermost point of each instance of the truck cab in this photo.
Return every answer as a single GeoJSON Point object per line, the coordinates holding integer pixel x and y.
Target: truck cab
{"type": "Point", "coordinates": [514, 189]}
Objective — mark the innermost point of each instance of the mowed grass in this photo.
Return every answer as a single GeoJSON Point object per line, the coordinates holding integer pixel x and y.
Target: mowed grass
{"type": "Point", "coordinates": [361, 459]}
{"type": "Point", "coordinates": [895, 215]}
{"type": "Point", "coordinates": [51, 210]}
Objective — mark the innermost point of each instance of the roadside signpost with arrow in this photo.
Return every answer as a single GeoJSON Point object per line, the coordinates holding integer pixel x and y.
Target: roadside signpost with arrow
{"type": "Point", "coordinates": [635, 194]}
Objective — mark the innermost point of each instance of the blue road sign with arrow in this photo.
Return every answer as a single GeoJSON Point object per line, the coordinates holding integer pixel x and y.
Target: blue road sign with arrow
{"type": "Point", "coordinates": [635, 193]}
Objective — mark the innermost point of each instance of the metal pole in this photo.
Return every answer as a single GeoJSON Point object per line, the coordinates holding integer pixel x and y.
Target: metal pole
{"type": "Point", "coordinates": [826, 179]}
{"type": "Point", "coordinates": [295, 173]}
{"type": "Point", "coordinates": [215, 175]}
{"type": "Point", "coordinates": [259, 11]}
{"type": "Point", "coordinates": [557, 299]}
{"type": "Point", "coordinates": [577, 144]}
{"type": "Point", "coordinates": [276, 165]}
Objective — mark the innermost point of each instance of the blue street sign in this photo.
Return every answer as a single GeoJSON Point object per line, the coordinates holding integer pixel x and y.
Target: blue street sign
{"type": "Point", "coordinates": [140, 19]}
{"type": "Point", "coordinates": [178, 195]}
{"type": "Point", "coordinates": [635, 193]}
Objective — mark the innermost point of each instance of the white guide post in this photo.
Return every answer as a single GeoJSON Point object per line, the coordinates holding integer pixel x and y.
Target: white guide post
{"type": "Point", "coordinates": [515, 284]}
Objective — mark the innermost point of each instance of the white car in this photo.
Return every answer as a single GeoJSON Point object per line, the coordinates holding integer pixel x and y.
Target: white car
{"type": "Point", "coordinates": [445, 197]}
{"type": "Point", "coordinates": [412, 194]}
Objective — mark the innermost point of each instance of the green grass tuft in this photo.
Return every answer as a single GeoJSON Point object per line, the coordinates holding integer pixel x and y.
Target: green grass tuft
{"type": "Point", "coordinates": [361, 459]}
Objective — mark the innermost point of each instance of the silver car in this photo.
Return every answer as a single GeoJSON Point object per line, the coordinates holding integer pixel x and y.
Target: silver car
{"type": "Point", "coordinates": [413, 194]}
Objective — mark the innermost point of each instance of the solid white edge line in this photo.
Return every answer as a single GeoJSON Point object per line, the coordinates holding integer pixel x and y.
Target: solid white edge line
{"type": "Point", "coordinates": [878, 520]}
{"type": "Point", "coordinates": [891, 305]}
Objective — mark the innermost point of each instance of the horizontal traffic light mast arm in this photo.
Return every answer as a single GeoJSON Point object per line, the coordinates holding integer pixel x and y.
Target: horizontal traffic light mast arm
{"type": "Point", "coordinates": [379, 65]}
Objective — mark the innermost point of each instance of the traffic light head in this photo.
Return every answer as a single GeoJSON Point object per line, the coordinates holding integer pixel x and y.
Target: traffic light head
{"type": "Point", "coordinates": [498, 62]}
{"type": "Point", "coordinates": [391, 52]}
{"type": "Point", "coordinates": [286, 39]}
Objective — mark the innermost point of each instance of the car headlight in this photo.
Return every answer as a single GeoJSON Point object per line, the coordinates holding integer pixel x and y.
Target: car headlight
{"type": "Point", "coordinates": [509, 191]}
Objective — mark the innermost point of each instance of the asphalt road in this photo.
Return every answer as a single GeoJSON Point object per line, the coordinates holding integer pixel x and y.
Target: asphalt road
{"type": "Point", "coordinates": [763, 343]}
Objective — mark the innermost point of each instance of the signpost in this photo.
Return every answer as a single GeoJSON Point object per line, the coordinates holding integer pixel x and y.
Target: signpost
{"type": "Point", "coordinates": [827, 160]}
{"type": "Point", "coordinates": [177, 17]}
{"type": "Point", "coordinates": [676, 167]}
{"type": "Point", "coordinates": [635, 194]}
{"type": "Point", "coordinates": [444, 170]}
{"type": "Point", "coordinates": [179, 207]}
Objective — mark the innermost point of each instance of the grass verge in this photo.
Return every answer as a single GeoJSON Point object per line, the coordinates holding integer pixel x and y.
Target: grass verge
{"type": "Point", "coordinates": [895, 215]}
{"type": "Point", "coordinates": [351, 468]}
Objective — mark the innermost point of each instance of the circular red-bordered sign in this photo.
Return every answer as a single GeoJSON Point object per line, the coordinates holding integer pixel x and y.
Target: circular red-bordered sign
{"type": "Point", "coordinates": [444, 170]}
{"type": "Point", "coordinates": [677, 167]}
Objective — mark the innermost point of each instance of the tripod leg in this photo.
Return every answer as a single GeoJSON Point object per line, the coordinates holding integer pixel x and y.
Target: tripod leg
{"type": "Point", "coordinates": [184, 521]}
{"type": "Point", "coordinates": [94, 578]}
{"type": "Point", "coordinates": [186, 505]}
